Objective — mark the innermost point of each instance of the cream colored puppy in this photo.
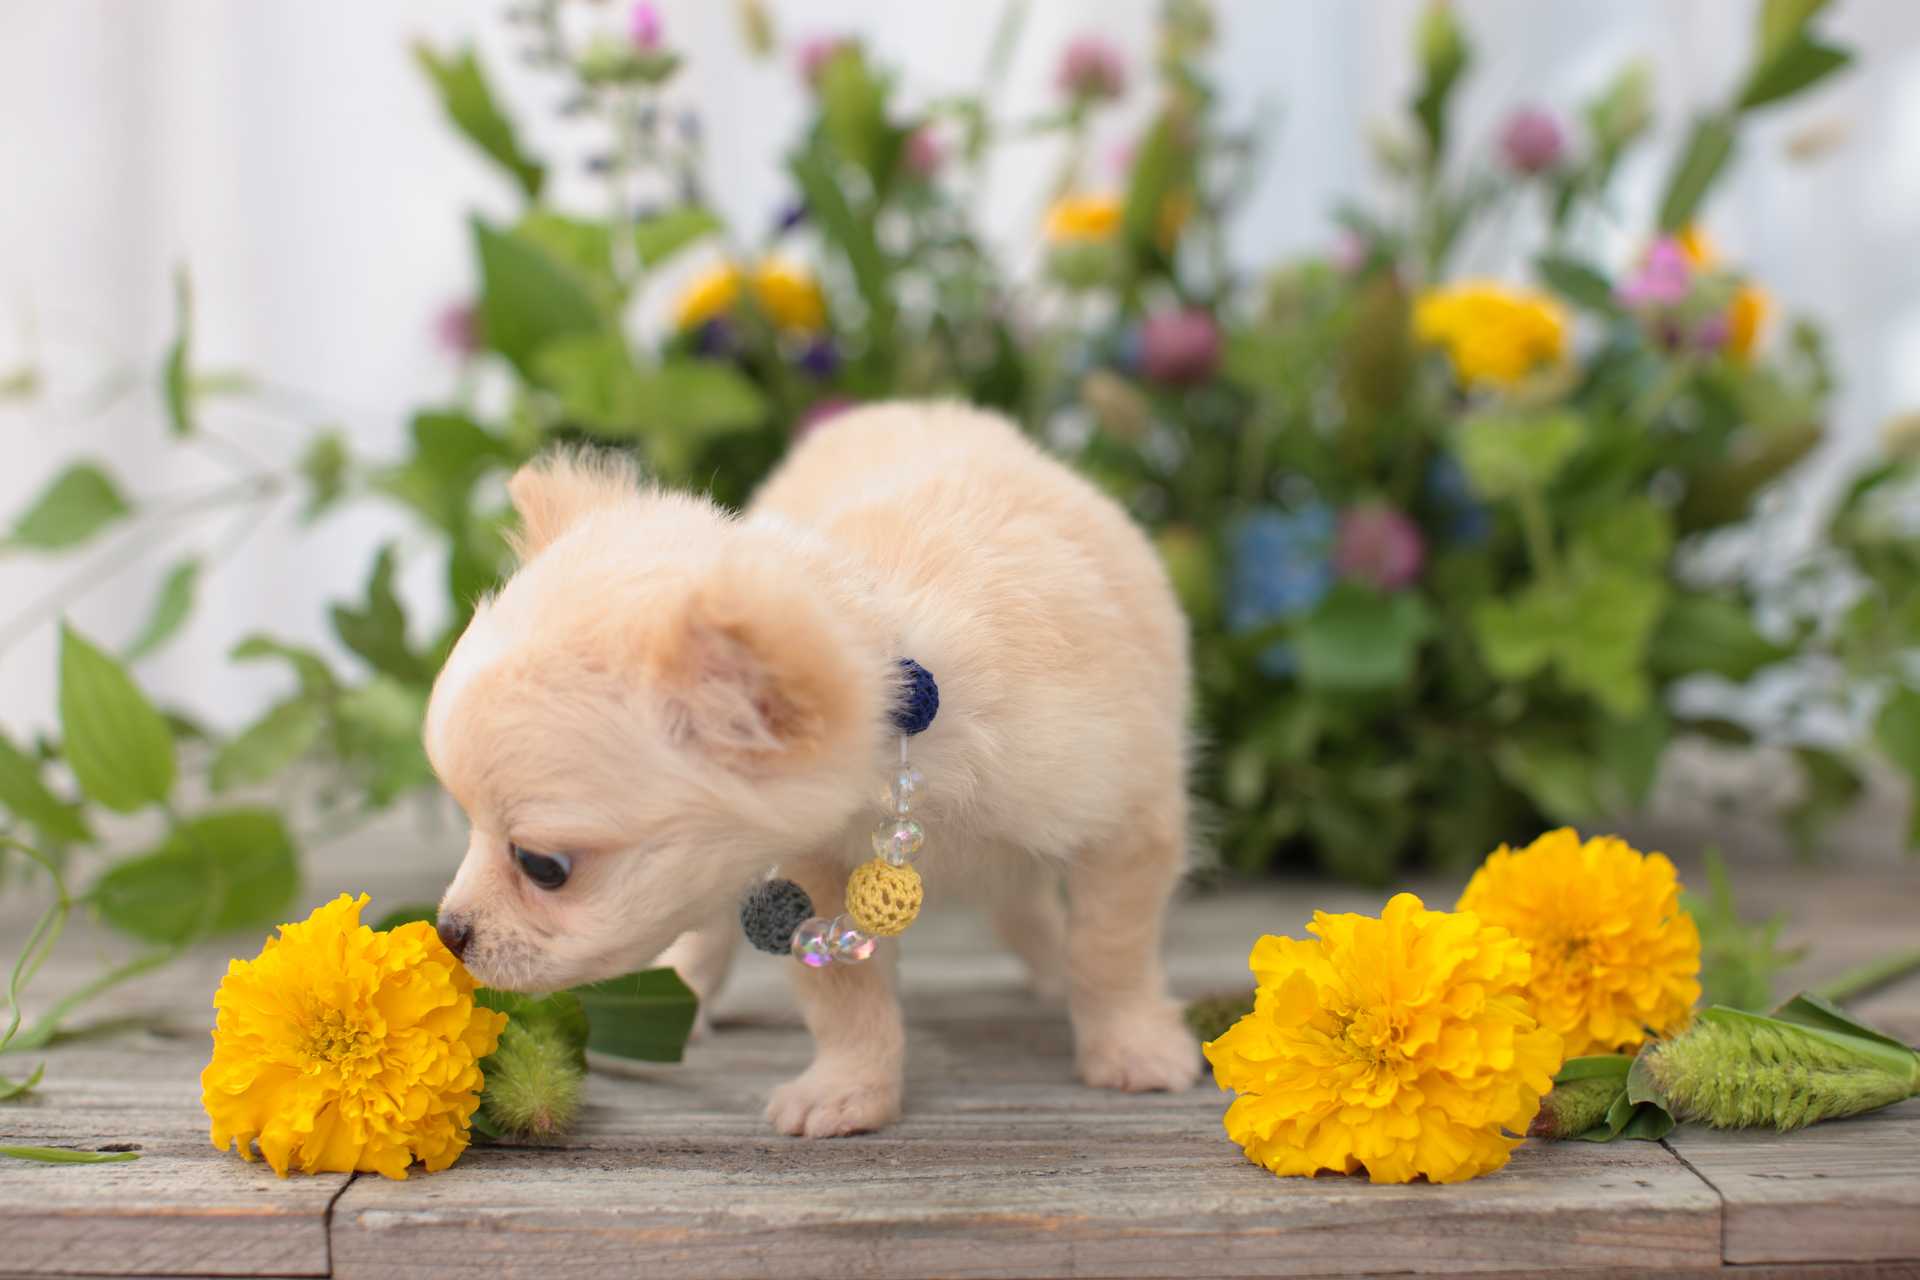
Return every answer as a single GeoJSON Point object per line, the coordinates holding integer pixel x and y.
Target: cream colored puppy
{"type": "Point", "coordinates": [665, 701]}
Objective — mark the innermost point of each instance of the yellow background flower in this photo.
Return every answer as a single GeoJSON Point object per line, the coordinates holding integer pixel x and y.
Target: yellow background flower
{"type": "Point", "coordinates": [340, 1049]}
{"type": "Point", "coordinates": [1402, 1045]}
{"type": "Point", "coordinates": [790, 296]}
{"type": "Point", "coordinates": [1747, 314]}
{"type": "Point", "coordinates": [1077, 218]}
{"type": "Point", "coordinates": [1495, 336]}
{"type": "Point", "coordinates": [1614, 957]}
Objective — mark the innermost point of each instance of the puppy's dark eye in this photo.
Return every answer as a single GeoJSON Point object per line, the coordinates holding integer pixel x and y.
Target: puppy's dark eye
{"type": "Point", "coordinates": [548, 870]}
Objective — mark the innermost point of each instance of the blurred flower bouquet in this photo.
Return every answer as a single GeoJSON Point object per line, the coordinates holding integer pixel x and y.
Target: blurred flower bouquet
{"type": "Point", "coordinates": [1453, 547]}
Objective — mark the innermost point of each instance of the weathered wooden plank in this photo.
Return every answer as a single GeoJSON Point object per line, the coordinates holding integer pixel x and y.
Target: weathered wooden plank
{"type": "Point", "coordinates": [1848, 1190]}
{"type": "Point", "coordinates": [1177, 1203]}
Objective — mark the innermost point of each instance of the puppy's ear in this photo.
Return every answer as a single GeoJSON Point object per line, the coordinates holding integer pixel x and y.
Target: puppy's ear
{"type": "Point", "coordinates": [759, 676]}
{"type": "Point", "coordinates": [551, 493]}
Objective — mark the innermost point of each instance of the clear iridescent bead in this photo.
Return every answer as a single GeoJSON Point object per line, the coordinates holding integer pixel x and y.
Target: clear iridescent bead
{"type": "Point", "coordinates": [905, 788]}
{"type": "Point", "coordinates": [849, 943]}
{"type": "Point", "coordinates": [811, 944]}
{"type": "Point", "coordinates": [898, 840]}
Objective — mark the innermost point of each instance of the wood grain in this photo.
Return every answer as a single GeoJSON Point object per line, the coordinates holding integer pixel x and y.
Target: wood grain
{"type": "Point", "coordinates": [1848, 1190]}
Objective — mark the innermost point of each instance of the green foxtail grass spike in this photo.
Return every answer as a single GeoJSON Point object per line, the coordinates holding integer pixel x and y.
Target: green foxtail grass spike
{"type": "Point", "coordinates": [1740, 1070]}
{"type": "Point", "coordinates": [1575, 1107]}
{"type": "Point", "coordinates": [533, 1081]}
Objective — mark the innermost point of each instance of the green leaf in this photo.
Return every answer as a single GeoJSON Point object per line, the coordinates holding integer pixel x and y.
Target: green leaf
{"type": "Point", "coordinates": [645, 1016]}
{"type": "Point", "coordinates": [1810, 1010]}
{"type": "Point", "coordinates": [1897, 730]}
{"type": "Point", "coordinates": [1648, 1122]}
{"type": "Point", "coordinates": [1632, 533]}
{"type": "Point", "coordinates": [324, 467]}
{"type": "Point", "coordinates": [1161, 168]}
{"type": "Point", "coordinates": [377, 629]}
{"type": "Point", "coordinates": [1360, 641]}
{"type": "Point", "coordinates": [176, 374]}
{"type": "Point", "coordinates": [1710, 633]}
{"type": "Point", "coordinates": [1629, 750]}
{"type": "Point", "coordinates": [528, 297]}
{"type": "Point", "coordinates": [853, 112]}
{"type": "Point", "coordinates": [81, 501]}
{"type": "Point", "coordinates": [217, 873]}
{"type": "Point", "coordinates": [1508, 454]}
{"type": "Point", "coordinates": [379, 727]}
{"type": "Point", "coordinates": [170, 609]}
{"type": "Point", "coordinates": [1803, 64]}
{"type": "Point", "coordinates": [469, 102]}
{"type": "Point", "coordinates": [419, 911]}
{"type": "Point", "coordinates": [1555, 775]}
{"type": "Point", "coordinates": [663, 235]}
{"type": "Point", "coordinates": [118, 746]}
{"type": "Point", "coordinates": [1595, 1066]}
{"type": "Point", "coordinates": [1708, 149]}
{"type": "Point", "coordinates": [856, 238]}
{"type": "Point", "coordinates": [601, 388]}
{"type": "Point", "coordinates": [28, 799]}
{"type": "Point", "coordinates": [67, 1155]}
{"type": "Point", "coordinates": [271, 743]}
{"type": "Point", "coordinates": [1577, 282]}
{"type": "Point", "coordinates": [450, 454]}
{"type": "Point", "coordinates": [1781, 20]}
{"type": "Point", "coordinates": [316, 678]}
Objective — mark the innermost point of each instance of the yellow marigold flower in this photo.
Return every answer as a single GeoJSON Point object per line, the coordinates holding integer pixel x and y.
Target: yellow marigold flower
{"type": "Point", "coordinates": [1494, 335]}
{"type": "Point", "coordinates": [789, 295]}
{"type": "Point", "coordinates": [343, 1050]}
{"type": "Point", "coordinates": [1076, 219]}
{"type": "Point", "coordinates": [1745, 318]}
{"type": "Point", "coordinates": [1615, 958]}
{"type": "Point", "coordinates": [1402, 1045]}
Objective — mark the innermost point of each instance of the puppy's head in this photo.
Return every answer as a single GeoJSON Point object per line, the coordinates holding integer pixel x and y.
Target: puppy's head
{"type": "Point", "coordinates": [652, 709]}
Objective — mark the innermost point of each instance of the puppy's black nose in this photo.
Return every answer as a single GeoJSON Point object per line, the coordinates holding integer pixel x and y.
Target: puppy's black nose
{"type": "Point", "coordinates": [456, 932]}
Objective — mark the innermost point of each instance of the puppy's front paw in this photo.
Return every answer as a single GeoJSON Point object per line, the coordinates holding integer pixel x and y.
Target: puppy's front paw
{"type": "Point", "coordinates": [831, 1100]}
{"type": "Point", "coordinates": [1138, 1050]}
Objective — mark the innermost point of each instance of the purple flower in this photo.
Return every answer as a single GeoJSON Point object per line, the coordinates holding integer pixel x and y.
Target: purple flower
{"type": "Point", "coordinates": [924, 153]}
{"type": "Point", "coordinates": [1378, 545]}
{"type": "Point", "coordinates": [457, 329]}
{"type": "Point", "coordinates": [1091, 70]}
{"type": "Point", "coordinates": [644, 27]}
{"type": "Point", "coordinates": [816, 52]}
{"type": "Point", "coordinates": [1663, 279]}
{"type": "Point", "coordinates": [1532, 140]}
{"type": "Point", "coordinates": [716, 340]}
{"type": "Point", "coordinates": [1180, 347]}
{"type": "Point", "coordinates": [820, 358]}
{"type": "Point", "coordinates": [1351, 251]}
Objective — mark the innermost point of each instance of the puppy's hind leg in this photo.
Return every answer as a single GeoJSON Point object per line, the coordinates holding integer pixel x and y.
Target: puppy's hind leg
{"type": "Point", "coordinates": [1029, 916]}
{"type": "Point", "coordinates": [703, 958]}
{"type": "Point", "coordinates": [1128, 1032]}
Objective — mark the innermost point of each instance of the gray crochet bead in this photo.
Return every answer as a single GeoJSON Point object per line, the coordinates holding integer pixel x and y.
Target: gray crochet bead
{"type": "Point", "coordinates": [771, 912]}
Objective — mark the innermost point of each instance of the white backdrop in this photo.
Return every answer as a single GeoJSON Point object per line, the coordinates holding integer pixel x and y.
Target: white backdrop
{"type": "Point", "coordinates": [291, 154]}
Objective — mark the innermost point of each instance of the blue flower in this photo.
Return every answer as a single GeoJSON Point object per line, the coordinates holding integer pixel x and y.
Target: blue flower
{"type": "Point", "coordinates": [1282, 568]}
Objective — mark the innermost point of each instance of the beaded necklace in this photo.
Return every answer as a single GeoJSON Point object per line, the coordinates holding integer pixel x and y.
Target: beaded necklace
{"type": "Point", "coordinates": [884, 894]}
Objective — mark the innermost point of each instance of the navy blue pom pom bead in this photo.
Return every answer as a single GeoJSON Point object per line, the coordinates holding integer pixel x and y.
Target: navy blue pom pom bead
{"type": "Point", "coordinates": [772, 912]}
{"type": "Point", "coordinates": [919, 698]}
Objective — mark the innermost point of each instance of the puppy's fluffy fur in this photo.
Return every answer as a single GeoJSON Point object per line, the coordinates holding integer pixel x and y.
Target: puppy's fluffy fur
{"type": "Point", "coordinates": [678, 699]}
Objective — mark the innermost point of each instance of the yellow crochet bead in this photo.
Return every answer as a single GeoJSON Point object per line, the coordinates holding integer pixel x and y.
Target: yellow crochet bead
{"type": "Point", "coordinates": [883, 899]}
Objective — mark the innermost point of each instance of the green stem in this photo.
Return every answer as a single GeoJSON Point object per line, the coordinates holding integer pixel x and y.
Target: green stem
{"type": "Point", "coordinates": [1865, 979]}
{"type": "Point", "coordinates": [1538, 532]}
